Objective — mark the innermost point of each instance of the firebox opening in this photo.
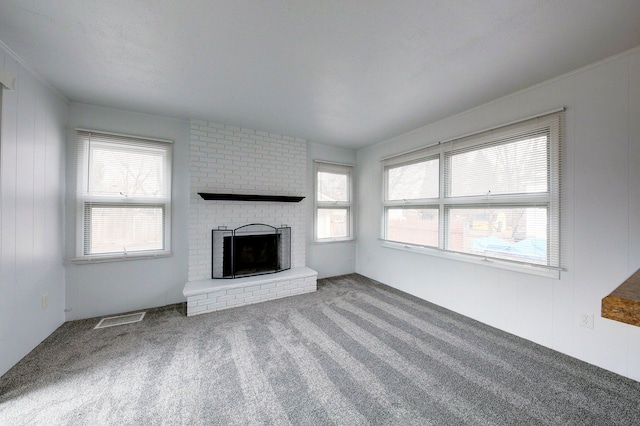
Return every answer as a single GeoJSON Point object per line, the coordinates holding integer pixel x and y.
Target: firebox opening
{"type": "Point", "coordinates": [252, 255]}
{"type": "Point", "coordinates": [253, 249]}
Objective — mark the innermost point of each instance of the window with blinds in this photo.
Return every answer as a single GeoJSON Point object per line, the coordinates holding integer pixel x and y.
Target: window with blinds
{"type": "Point", "coordinates": [494, 195]}
{"type": "Point", "coordinates": [333, 205]}
{"type": "Point", "coordinates": [123, 195]}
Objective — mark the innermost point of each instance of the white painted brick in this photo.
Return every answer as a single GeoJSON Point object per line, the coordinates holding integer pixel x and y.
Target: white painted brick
{"type": "Point", "coordinates": [243, 160]}
{"type": "Point", "coordinates": [226, 298]}
{"type": "Point", "coordinates": [251, 289]}
{"type": "Point", "coordinates": [196, 298]}
{"type": "Point", "coordinates": [252, 299]}
{"type": "Point", "coordinates": [217, 305]}
{"type": "Point", "coordinates": [206, 139]}
{"type": "Point", "coordinates": [243, 295]}
{"type": "Point", "coordinates": [275, 290]}
{"type": "Point", "coordinates": [260, 292]}
{"type": "Point", "coordinates": [236, 302]}
{"type": "Point", "coordinates": [195, 309]}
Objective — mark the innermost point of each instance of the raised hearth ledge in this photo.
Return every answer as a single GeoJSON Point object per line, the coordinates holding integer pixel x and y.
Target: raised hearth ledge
{"type": "Point", "coordinates": [216, 294]}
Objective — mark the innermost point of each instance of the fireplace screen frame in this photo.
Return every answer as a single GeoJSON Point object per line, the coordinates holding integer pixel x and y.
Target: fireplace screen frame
{"type": "Point", "coordinates": [228, 242]}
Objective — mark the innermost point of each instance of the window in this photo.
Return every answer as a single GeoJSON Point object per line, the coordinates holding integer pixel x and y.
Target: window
{"type": "Point", "coordinates": [493, 195]}
{"type": "Point", "coordinates": [333, 209]}
{"type": "Point", "coordinates": [411, 194]}
{"type": "Point", "coordinates": [123, 195]}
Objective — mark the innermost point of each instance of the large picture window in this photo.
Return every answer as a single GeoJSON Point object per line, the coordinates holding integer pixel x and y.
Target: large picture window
{"type": "Point", "coordinates": [493, 195]}
{"type": "Point", "coordinates": [123, 195]}
{"type": "Point", "coordinates": [333, 205]}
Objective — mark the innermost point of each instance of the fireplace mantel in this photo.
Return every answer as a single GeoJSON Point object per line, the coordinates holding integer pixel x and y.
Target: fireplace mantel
{"type": "Point", "coordinates": [250, 197]}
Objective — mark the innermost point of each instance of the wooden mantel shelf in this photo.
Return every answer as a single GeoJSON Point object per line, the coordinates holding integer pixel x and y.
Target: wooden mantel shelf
{"type": "Point", "coordinates": [623, 304]}
{"type": "Point", "coordinates": [250, 197]}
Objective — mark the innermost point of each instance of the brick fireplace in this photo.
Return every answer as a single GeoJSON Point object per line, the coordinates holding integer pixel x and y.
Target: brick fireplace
{"type": "Point", "coordinates": [233, 160]}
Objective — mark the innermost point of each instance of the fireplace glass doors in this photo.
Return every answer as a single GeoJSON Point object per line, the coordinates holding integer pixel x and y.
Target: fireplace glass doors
{"type": "Point", "coordinates": [253, 249]}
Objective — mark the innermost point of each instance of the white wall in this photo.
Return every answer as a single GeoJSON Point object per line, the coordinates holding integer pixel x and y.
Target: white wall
{"type": "Point", "coordinates": [114, 287]}
{"type": "Point", "coordinates": [31, 187]}
{"type": "Point", "coordinates": [334, 258]}
{"type": "Point", "coordinates": [600, 224]}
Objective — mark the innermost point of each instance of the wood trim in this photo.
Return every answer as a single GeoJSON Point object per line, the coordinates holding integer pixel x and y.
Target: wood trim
{"type": "Point", "coordinates": [623, 304]}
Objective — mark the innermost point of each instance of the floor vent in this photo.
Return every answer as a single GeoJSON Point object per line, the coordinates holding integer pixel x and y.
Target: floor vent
{"type": "Point", "coordinates": [120, 320]}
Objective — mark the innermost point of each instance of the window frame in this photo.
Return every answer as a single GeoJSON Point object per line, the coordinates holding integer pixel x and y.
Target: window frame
{"type": "Point", "coordinates": [411, 203]}
{"type": "Point", "coordinates": [85, 200]}
{"type": "Point", "coordinates": [550, 123]}
{"type": "Point", "coordinates": [336, 168]}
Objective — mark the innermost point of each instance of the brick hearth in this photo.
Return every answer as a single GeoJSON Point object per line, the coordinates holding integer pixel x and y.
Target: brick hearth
{"type": "Point", "coordinates": [216, 294]}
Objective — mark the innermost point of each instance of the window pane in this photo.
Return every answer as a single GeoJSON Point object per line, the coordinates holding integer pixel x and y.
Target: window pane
{"type": "Point", "coordinates": [332, 223]}
{"type": "Point", "coordinates": [413, 181]}
{"type": "Point", "coordinates": [512, 168]}
{"type": "Point", "coordinates": [516, 233]}
{"type": "Point", "coordinates": [118, 229]}
{"type": "Point", "coordinates": [414, 226]}
{"type": "Point", "coordinates": [333, 187]}
{"type": "Point", "coordinates": [123, 170]}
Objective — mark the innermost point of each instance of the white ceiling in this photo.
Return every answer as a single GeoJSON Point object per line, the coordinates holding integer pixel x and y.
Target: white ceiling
{"type": "Point", "coordinates": [347, 72]}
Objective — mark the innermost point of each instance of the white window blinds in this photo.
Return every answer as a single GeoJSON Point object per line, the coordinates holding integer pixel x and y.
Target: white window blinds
{"type": "Point", "coordinates": [494, 194]}
{"type": "Point", "coordinates": [123, 194]}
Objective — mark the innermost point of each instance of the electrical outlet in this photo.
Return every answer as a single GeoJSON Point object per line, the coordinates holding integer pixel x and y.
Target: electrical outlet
{"type": "Point", "coordinates": [586, 320]}
{"type": "Point", "coordinates": [45, 301]}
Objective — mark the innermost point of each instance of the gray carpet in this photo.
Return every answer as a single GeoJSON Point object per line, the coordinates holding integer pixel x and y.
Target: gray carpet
{"type": "Point", "coordinates": [355, 352]}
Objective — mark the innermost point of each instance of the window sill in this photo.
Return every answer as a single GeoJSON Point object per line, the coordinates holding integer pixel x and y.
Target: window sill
{"type": "Point", "coordinates": [333, 240]}
{"type": "Point", "coordinates": [118, 257]}
{"type": "Point", "coordinates": [492, 263]}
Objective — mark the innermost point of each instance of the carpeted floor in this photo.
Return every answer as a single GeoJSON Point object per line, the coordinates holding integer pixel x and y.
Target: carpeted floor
{"type": "Point", "coordinates": [354, 352]}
